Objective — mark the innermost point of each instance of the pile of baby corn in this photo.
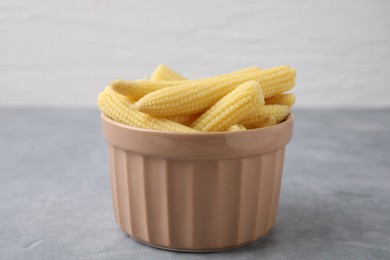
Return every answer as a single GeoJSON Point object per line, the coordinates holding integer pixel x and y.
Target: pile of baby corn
{"type": "Point", "coordinates": [244, 99]}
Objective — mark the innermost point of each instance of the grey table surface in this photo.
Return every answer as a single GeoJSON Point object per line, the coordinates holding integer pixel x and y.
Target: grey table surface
{"type": "Point", "coordinates": [55, 200]}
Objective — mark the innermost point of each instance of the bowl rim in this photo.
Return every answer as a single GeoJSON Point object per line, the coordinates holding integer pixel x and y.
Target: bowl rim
{"type": "Point", "coordinates": [289, 118]}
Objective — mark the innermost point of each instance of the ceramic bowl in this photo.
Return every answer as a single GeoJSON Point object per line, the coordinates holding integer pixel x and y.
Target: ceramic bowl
{"type": "Point", "coordinates": [196, 191]}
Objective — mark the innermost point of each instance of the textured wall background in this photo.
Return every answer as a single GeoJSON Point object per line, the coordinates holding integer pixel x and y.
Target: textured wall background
{"type": "Point", "coordinates": [62, 53]}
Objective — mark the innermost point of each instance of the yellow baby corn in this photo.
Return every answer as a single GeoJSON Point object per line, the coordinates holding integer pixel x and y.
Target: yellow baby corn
{"type": "Point", "coordinates": [287, 99]}
{"type": "Point", "coordinates": [184, 119]}
{"type": "Point", "coordinates": [268, 121]}
{"type": "Point", "coordinates": [240, 103]}
{"type": "Point", "coordinates": [162, 72]}
{"type": "Point", "coordinates": [260, 117]}
{"type": "Point", "coordinates": [236, 127]}
{"type": "Point", "coordinates": [139, 88]}
{"type": "Point", "coordinates": [192, 97]}
{"type": "Point", "coordinates": [119, 109]}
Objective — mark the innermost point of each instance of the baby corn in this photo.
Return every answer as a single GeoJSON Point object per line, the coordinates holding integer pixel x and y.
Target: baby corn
{"type": "Point", "coordinates": [162, 72]}
{"type": "Point", "coordinates": [119, 109]}
{"type": "Point", "coordinates": [234, 107]}
{"type": "Point", "coordinates": [268, 121]}
{"type": "Point", "coordinates": [192, 97]}
{"type": "Point", "coordinates": [281, 99]}
{"type": "Point", "coordinates": [261, 115]}
{"type": "Point", "coordinates": [184, 119]}
{"type": "Point", "coordinates": [139, 88]}
{"type": "Point", "coordinates": [236, 127]}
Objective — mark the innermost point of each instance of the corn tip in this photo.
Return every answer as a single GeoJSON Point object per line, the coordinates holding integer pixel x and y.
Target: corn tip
{"type": "Point", "coordinates": [136, 106]}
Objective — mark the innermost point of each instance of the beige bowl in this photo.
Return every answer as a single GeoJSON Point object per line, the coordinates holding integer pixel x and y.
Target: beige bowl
{"type": "Point", "coordinates": [196, 191]}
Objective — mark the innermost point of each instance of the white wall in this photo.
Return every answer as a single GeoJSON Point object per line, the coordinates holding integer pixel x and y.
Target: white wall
{"type": "Point", "coordinates": [62, 53]}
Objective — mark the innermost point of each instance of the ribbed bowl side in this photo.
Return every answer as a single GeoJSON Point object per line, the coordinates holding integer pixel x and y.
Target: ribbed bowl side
{"type": "Point", "coordinates": [195, 204]}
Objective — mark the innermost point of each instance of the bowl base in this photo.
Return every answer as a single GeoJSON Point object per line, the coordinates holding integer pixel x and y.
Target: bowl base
{"type": "Point", "coordinates": [197, 250]}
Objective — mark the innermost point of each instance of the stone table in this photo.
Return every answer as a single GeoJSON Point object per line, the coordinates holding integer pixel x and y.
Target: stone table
{"type": "Point", "coordinates": [55, 200]}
